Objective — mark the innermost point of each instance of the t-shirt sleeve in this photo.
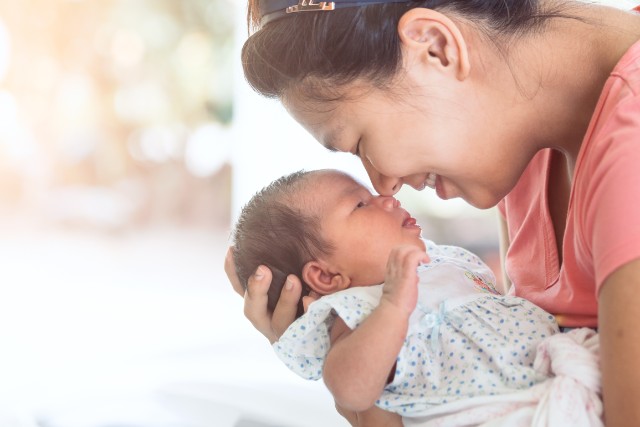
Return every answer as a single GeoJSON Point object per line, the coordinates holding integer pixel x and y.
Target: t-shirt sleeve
{"type": "Point", "coordinates": [305, 344]}
{"type": "Point", "coordinates": [611, 220]}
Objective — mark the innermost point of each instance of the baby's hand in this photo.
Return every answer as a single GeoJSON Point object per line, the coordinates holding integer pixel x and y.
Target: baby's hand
{"type": "Point", "coordinates": [401, 281]}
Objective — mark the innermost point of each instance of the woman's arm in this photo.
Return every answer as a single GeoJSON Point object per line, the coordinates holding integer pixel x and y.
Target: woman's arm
{"type": "Point", "coordinates": [359, 363]}
{"type": "Point", "coordinates": [619, 329]}
{"type": "Point", "coordinates": [504, 246]}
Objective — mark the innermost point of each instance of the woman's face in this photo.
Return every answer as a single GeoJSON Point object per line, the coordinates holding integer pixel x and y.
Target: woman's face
{"type": "Point", "coordinates": [431, 131]}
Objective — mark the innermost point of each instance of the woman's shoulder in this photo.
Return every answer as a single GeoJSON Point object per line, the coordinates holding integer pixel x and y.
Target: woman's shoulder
{"type": "Point", "coordinates": [612, 138]}
{"type": "Point", "coordinates": [628, 66]}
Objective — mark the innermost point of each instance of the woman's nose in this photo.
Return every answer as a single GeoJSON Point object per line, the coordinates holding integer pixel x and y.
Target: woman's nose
{"type": "Point", "coordinates": [384, 185]}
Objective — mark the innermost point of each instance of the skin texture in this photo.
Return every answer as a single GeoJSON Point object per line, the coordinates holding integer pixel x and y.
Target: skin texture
{"type": "Point", "coordinates": [354, 220]}
{"type": "Point", "coordinates": [459, 110]}
{"type": "Point", "coordinates": [620, 345]}
{"type": "Point", "coordinates": [436, 123]}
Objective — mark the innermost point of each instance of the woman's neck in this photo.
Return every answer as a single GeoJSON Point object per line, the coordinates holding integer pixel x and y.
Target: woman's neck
{"type": "Point", "coordinates": [587, 52]}
{"type": "Point", "coordinates": [558, 74]}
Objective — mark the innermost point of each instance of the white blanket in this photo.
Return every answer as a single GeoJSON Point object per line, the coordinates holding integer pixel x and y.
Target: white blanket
{"type": "Point", "coordinates": [570, 397]}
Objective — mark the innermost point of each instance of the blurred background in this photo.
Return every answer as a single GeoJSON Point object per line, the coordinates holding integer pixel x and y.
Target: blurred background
{"type": "Point", "coordinates": [128, 143]}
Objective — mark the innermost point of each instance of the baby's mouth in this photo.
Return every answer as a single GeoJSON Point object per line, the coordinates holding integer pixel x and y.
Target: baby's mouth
{"type": "Point", "coordinates": [410, 222]}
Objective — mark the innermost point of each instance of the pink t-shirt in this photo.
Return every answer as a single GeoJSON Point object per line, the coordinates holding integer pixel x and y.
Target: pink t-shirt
{"type": "Point", "coordinates": [603, 225]}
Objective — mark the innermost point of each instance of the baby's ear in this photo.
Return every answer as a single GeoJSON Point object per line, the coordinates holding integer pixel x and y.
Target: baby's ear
{"type": "Point", "coordinates": [319, 278]}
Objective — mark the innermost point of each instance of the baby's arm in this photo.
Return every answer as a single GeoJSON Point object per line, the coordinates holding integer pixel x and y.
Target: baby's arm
{"type": "Point", "coordinates": [360, 362]}
{"type": "Point", "coordinates": [372, 417]}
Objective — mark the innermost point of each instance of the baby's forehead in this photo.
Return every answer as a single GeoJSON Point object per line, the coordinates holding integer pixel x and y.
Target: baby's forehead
{"type": "Point", "coordinates": [334, 176]}
{"type": "Point", "coordinates": [324, 188]}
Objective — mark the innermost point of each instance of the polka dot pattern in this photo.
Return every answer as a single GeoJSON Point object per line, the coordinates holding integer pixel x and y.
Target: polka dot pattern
{"type": "Point", "coordinates": [464, 339]}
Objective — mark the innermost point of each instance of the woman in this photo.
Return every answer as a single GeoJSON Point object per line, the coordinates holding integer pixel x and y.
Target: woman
{"type": "Point", "coordinates": [533, 106]}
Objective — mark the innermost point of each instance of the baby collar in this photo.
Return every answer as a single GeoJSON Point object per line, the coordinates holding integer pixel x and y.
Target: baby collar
{"type": "Point", "coordinates": [271, 10]}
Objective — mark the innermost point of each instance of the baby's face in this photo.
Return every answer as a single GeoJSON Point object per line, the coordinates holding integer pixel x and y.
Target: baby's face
{"type": "Point", "coordinates": [362, 227]}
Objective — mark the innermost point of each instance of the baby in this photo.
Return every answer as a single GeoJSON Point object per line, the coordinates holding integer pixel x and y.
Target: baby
{"type": "Point", "coordinates": [400, 322]}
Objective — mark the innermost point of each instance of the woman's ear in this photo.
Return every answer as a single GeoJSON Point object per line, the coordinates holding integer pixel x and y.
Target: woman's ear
{"type": "Point", "coordinates": [430, 37]}
{"type": "Point", "coordinates": [319, 278]}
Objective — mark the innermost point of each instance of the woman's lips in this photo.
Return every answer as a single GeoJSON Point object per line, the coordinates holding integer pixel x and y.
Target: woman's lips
{"type": "Point", "coordinates": [429, 181]}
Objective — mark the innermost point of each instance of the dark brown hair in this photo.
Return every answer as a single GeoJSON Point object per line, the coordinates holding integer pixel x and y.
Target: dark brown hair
{"type": "Point", "coordinates": [330, 49]}
{"type": "Point", "coordinates": [277, 230]}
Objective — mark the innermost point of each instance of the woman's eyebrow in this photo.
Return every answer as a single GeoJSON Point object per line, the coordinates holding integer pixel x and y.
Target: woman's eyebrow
{"type": "Point", "coordinates": [333, 136]}
{"type": "Point", "coordinates": [329, 141]}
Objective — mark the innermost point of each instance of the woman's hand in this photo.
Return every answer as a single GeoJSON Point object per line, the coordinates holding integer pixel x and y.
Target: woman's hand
{"type": "Point", "coordinates": [270, 325]}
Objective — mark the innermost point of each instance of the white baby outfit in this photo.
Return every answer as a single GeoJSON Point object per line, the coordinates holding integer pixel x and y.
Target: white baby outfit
{"type": "Point", "coordinates": [464, 339]}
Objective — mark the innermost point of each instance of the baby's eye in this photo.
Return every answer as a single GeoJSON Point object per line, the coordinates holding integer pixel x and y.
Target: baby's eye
{"type": "Point", "coordinates": [361, 205]}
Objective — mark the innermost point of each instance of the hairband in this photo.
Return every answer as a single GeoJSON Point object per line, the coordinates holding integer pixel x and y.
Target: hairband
{"type": "Point", "coordinates": [271, 10]}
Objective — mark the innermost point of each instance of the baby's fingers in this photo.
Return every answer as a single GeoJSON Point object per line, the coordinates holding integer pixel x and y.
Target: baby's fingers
{"type": "Point", "coordinates": [405, 259]}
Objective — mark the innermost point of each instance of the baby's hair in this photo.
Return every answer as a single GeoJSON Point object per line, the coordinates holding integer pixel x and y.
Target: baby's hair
{"type": "Point", "coordinates": [278, 229]}
{"type": "Point", "coordinates": [315, 53]}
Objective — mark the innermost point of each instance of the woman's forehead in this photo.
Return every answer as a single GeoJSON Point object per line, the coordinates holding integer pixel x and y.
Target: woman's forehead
{"type": "Point", "coordinates": [325, 126]}
{"type": "Point", "coordinates": [311, 108]}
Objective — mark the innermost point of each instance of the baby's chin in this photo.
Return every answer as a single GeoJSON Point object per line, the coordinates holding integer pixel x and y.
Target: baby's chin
{"type": "Point", "coordinates": [418, 243]}
{"type": "Point", "coordinates": [414, 241]}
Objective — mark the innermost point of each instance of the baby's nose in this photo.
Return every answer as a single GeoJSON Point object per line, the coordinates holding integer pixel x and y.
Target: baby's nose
{"type": "Point", "coordinates": [390, 202]}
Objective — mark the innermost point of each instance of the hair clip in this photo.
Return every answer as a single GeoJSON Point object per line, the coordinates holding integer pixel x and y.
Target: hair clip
{"type": "Point", "coordinates": [311, 5]}
{"type": "Point", "coordinates": [270, 10]}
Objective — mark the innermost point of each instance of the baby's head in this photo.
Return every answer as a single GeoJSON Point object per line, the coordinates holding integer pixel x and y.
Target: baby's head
{"type": "Point", "coordinates": [277, 228]}
{"type": "Point", "coordinates": [322, 226]}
